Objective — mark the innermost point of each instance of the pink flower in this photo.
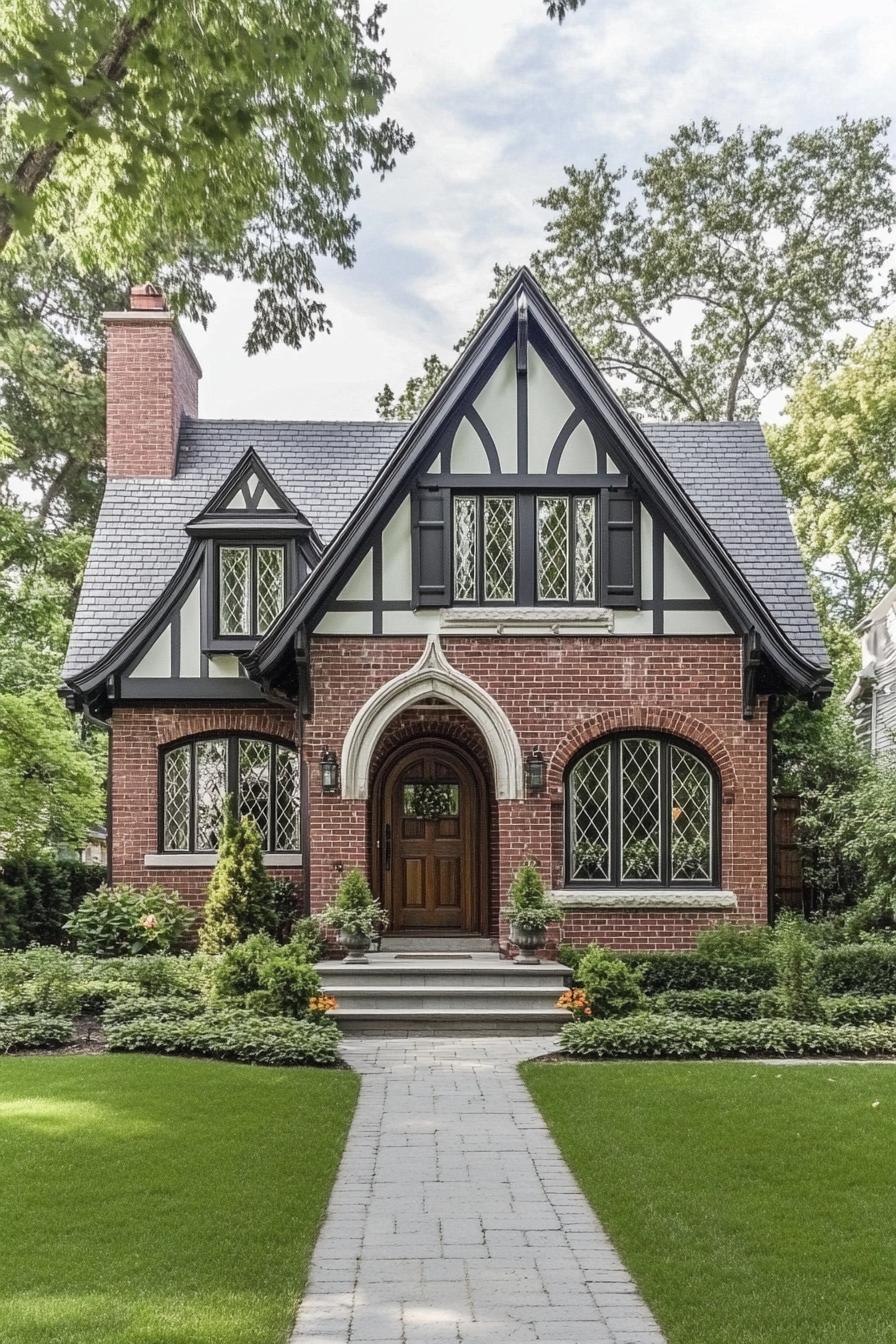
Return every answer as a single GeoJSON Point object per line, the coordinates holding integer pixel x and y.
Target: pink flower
{"type": "Point", "coordinates": [149, 922]}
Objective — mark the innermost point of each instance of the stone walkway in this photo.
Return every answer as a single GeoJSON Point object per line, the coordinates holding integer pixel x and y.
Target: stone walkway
{"type": "Point", "coordinates": [454, 1220]}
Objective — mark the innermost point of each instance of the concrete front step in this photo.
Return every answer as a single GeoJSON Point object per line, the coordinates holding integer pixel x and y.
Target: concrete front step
{"type": "Point", "coordinates": [437, 946]}
{"type": "Point", "coordinates": [466, 998]}
{"type": "Point", "coordinates": [479, 995]}
{"type": "Point", "coordinates": [448, 1022]}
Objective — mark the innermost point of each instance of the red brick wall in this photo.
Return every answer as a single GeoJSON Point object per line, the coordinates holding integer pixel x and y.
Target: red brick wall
{"type": "Point", "coordinates": [152, 380]}
{"type": "Point", "coordinates": [558, 694]}
{"type": "Point", "coordinates": [137, 736]}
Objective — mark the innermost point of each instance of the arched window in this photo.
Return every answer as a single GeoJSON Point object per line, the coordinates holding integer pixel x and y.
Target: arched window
{"type": "Point", "coordinates": [260, 773]}
{"type": "Point", "coordinates": [642, 810]}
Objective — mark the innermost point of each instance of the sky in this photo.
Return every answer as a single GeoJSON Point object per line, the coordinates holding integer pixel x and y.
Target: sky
{"type": "Point", "coordinates": [499, 99]}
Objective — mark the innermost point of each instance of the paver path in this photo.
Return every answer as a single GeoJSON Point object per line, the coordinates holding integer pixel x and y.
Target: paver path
{"type": "Point", "coordinates": [454, 1218]}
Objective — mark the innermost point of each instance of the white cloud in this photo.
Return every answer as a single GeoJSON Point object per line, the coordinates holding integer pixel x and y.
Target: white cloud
{"type": "Point", "coordinates": [499, 100]}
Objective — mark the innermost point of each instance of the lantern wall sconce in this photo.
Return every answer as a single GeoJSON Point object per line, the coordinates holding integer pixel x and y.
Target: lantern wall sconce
{"type": "Point", "coordinates": [329, 773]}
{"type": "Point", "coordinates": [536, 773]}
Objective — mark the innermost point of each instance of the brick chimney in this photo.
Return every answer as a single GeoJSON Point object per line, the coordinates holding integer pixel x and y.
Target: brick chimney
{"type": "Point", "coordinates": [152, 381]}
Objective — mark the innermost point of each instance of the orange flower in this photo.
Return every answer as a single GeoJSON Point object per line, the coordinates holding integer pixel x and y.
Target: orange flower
{"type": "Point", "coordinates": [322, 1003]}
{"type": "Point", "coordinates": [575, 1002]}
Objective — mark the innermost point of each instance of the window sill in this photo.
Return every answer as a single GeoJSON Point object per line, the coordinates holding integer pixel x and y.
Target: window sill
{"type": "Point", "coordinates": [209, 860]}
{"type": "Point", "coordinates": [527, 620]}
{"type": "Point", "coordinates": [656, 899]}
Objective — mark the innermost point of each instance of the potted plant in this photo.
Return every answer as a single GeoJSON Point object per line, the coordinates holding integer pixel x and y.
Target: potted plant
{"type": "Point", "coordinates": [530, 912]}
{"type": "Point", "coordinates": [355, 915]}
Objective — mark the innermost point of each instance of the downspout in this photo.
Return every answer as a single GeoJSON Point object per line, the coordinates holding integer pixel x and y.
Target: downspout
{"type": "Point", "coordinates": [772, 713]}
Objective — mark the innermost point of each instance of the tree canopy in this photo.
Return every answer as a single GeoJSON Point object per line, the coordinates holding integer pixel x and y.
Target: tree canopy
{"type": "Point", "coordinates": [836, 455]}
{"type": "Point", "coordinates": [184, 141]}
{"type": "Point", "coordinates": [726, 264]}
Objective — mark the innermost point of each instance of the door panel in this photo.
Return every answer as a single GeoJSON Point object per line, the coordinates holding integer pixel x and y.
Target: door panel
{"type": "Point", "coordinates": [432, 807]}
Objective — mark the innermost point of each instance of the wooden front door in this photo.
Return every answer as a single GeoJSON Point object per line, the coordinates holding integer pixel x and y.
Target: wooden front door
{"type": "Point", "coordinates": [431, 842]}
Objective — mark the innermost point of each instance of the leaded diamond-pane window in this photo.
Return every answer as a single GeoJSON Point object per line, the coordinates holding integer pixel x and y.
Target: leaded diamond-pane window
{"type": "Point", "coordinates": [177, 799]}
{"type": "Point", "coordinates": [211, 788]}
{"type": "Point", "coordinates": [642, 810]}
{"type": "Point", "coordinates": [691, 817]}
{"type": "Point", "coordinates": [590, 822]}
{"type": "Point", "coordinates": [251, 588]}
{"type": "Point", "coordinates": [586, 535]}
{"type": "Point", "coordinates": [235, 590]}
{"type": "Point", "coordinates": [552, 541]}
{"type": "Point", "coordinates": [466, 536]}
{"type": "Point", "coordinates": [261, 776]}
{"type": "Point", "coordinates": [640, 800]}
{"type": "Point", "coordinates": [286, 820]}
{"type": "Point", "coordinates": [270, 586]}
{"type": "Point", "coordinates": [499, 548]}
{"type": "Point", "coordinates": [255, 782]}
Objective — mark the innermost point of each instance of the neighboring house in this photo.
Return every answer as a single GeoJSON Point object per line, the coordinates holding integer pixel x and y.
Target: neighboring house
{"type": "Point", "coordinates": [523, 625]}
{"type": "Point", "coordinates": [872, 695]}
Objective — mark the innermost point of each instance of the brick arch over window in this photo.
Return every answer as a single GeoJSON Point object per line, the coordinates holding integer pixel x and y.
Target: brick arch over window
{"type": "Point", "coordinates": [673, 722]}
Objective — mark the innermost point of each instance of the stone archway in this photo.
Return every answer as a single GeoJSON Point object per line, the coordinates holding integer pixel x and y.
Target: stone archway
{"type": "Point", "coordinates": [431, 676]}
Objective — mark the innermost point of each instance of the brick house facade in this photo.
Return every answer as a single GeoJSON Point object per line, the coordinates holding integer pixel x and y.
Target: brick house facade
{"type": "Point", "coordinates": [524, 626]}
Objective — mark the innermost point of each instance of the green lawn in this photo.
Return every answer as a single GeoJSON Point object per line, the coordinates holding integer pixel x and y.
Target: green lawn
{"type": "Point", "coordinates": [161, 1201]}
{"type": "Point", "coordinates": [752, 1204]}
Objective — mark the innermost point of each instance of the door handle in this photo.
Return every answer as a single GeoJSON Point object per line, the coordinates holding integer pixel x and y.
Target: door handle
{"type": "Point", "coordinates": [387, 847]}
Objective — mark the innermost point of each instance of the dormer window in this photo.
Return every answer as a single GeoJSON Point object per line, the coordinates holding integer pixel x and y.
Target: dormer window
{"type": "Point", "coordinates": [251, 587]}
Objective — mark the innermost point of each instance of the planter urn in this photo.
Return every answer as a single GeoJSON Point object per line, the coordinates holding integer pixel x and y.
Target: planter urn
{"type": "Point", "coordinates": [529, 941]}
{"type": "Point", "coordinates": [356, 945]}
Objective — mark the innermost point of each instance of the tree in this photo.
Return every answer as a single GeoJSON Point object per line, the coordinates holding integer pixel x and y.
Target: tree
{"type": "Point", "coordinates": [757, 248]}
{"type": "Point", "coordinates": [836, 456]}
{"type": "Point", "coordinates": [239, 896]}
{"type": "Point", "coordinates": [180, 141]}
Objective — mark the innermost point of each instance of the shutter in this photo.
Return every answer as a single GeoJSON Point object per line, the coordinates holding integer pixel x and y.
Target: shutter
{"type": "Point", "coordinates": [620, 548]}
{"type": "Point", "coordinates": [431, 548]}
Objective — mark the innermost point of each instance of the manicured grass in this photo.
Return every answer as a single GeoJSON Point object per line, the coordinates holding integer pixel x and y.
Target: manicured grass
{"type": "Point", "coordinates": [161, 1201]}
{"type": "Point", "coordinates": [753, 1204]}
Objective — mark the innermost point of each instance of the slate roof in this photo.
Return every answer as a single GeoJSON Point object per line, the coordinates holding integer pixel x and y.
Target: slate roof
{"type": "Point", "coordinates": [325, 467]}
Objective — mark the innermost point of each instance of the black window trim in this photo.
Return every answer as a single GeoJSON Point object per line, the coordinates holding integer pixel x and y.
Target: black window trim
{"type": "Point", "coordinates": [615, 882]}
{"type": "Point", "coordinates": [232, 737]}
{"type": "Point", "coordinates": [294, 570]}
{"type": "Point", "coordinates": [526, 543]}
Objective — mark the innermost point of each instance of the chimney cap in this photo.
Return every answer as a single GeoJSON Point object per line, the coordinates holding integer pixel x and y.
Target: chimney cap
{"type": "Point", "coordinates": [146, 298]}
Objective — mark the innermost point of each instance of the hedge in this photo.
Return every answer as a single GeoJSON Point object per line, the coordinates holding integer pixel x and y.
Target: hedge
{"type": "Point", "coordinates": [231, 1033]}
{"type": "Point", "coordinates": [855, 1009]}
{"type": "Point", "coordinates": [858, 968]}
{"type": "Point", "coordinates": [732, 1005]}
{"type": "Point", "coordinates": [661, 971]}
{"type": "Point", "coordinates": [33, 1031]}
{"type": "Point", "coordinates": [651, 1036]}
{"type": "Point", "coordinates": [36, 896]}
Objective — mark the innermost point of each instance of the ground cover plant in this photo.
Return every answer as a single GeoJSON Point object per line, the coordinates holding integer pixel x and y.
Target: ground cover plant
{"type": "Point", "coordinates": [229, 1169]}
{"type": "Point", "coordinates": [749, 1201]}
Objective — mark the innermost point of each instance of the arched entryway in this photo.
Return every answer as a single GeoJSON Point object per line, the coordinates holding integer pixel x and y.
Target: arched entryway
{"type": "Point", "coordinates": [429, 839]}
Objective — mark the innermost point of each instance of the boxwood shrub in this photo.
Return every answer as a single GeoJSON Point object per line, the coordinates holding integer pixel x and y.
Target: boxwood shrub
{"type": "Point", "coordinates": [732, 1005]}
{"type": "Point", "coordinates": [661, 971]}
{"type": "Point", "coordinates": [230, 1033]}
{"type": "Point", "coordinates": [170, 1008]}
{"type": "Point", "coordinates": [859, 1008]}
{"type": "Point", "coordinates": [857, 968]}
{"type": "Point", "coordinates": [652, 1036]}
{"type": "Point", "coordinates": [33, 1031]}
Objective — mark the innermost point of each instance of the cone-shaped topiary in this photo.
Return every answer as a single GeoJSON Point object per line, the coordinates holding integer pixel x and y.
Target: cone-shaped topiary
{"type": "Point", "coordinates": [528, 906]}
{"type": "Point", "coordinates": [239, 894]}
{"type": "Point", "coordinates": [354, 910]}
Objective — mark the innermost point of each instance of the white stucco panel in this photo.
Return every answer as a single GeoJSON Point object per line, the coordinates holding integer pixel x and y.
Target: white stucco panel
{"type": "Point", "coordinates": [360, 586]}
{"type": "Point", "coordinates": [680, 581]}
{"type": "Point", "coordinates": [156, 661]}
{"type": "Point", "coordinates": [345, 623]}
{"type": "Point", "coordinates": [496, 404]}
{"type": "Point", "coordinates": [397, 554]}
{"type": "Point", "coordinates": [468, 455]}
{"type": "Point", "coordinates": [549, 409]}
{"type": "Point", "coordinates": [579, 456]}
{"type": "Point", "coordinates": [695, 623]}
{"type": "Point", "coordinates": [190, 636]}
